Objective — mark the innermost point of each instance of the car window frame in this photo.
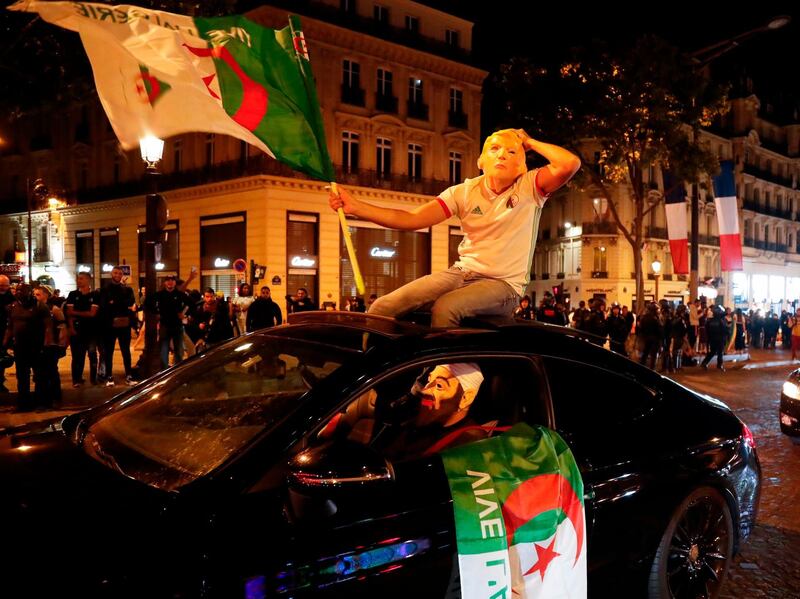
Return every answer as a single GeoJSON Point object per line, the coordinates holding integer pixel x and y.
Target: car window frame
{"type": "Point", "coordinates": [654, 390]}
{"type": "Point", "coordinates": [542, 391]}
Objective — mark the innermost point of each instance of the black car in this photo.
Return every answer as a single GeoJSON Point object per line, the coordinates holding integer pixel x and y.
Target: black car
{"type": "Point", "coordinates": [284, 463]}
{"type": "Point", "coordinates": [790, 406]}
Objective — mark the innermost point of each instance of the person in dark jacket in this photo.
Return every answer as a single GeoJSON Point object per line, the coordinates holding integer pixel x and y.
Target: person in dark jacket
{"type": "Point", "coordinates": [666, 315]}
{"type": "Point", "coordinates": [618, 330]}
{"type": "Point", "coordinates": [301, 302]}
{"type": "Point", "coordinates": [717, 334]}
{"type": "Point", "coordinates": [649, 333]}
{"type": "Point", "coordinates": [172, 305]}
{"type": "Point", "coordinates": [524, 310]}
{"type": "Point", "coordinates": [117, 308]}
{"type": "Point", "coordinates": [594, 321]}
{"type": "Point", "coordinates": [30, 328]}
{"type": "Point", "coordinates": [548, 312]}
{"type": "Point", "coordinates": [679, 328]}
{"type": "Point", "coordinates": [577, 315]}
{"type": "Point", "coordinates": [6, 299]}
{"type": "Point", "coordinates": [263, 312]}
{"type": "Point", "coordinates": [213, 318]}
{"type": "Point", "coordinates": [771, 326]}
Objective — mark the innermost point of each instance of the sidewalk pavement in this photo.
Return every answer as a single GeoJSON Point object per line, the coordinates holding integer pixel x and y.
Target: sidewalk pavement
{"type": "Point", "coordinates": [93, 395]}
{"type": "Point", "coordinates": [72, 399]}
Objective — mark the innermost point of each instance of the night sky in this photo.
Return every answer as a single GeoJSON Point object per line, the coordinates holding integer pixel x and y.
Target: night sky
{"type": "Point", "coordinates": [546, 30]}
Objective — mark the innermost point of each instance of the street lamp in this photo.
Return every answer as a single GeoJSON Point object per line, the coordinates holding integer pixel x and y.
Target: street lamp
{"type": "Point", "coordinates": [152, 149]}
{"type": "Point", "coordinates": [704, 56]}
{"type": "Point", "coordinates": [656, 266]}
{"type": "Point", "coordinates": [36, 190]}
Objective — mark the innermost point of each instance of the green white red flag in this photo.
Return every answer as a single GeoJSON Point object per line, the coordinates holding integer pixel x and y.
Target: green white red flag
{"type": "Point", "coordinates": [163, 74]}
{"type": "Point", "coordinates": [520, 521]}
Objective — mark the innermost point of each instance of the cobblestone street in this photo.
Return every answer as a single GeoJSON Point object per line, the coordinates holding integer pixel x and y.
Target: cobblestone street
{"type": "Point", "coordinates": [769, 564]}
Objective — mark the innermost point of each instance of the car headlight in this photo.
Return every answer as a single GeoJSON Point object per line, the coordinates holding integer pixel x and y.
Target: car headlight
{"type": "Point", "coordinates": [791, 390]}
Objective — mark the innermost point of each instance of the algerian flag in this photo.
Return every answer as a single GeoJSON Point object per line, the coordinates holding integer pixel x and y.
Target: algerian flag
{"type": "Point", "coordinates": [520, 522]}
{"type": "Point", "coordinates": [163, 74]}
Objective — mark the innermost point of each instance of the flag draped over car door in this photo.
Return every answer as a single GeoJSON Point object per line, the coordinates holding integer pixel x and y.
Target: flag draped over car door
{"type": "Point", "coordinates": [520, 521]}
{"type": "Point", "coordinates": [162, 74]}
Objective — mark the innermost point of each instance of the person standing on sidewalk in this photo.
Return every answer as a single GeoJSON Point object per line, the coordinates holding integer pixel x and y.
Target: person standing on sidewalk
{"type": "Point", "coordinates": [6, 299]}
{"type": "Point", "coordinates": [53, 351]}
{"type": "Point", "coordinates": [717, 335]}
{"type": "Point", "coordinates": [263, 312]}
{"type": "Point", "coordinates": [794, 323]}
{"type": "Point", "coordinates": [117, 307]}
{"type": "Point", "coordinates": [81, 307]}
{"type": "Point", "coordinates": [30, 328]}
{"type": "Point", "coordinates": [172, 305]}
{"type": "Point", "coordinates": [649, 335]}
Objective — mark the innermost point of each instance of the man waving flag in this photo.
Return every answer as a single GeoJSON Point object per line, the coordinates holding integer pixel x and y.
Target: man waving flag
{"type": "Point", "coordinates": [163, 74]}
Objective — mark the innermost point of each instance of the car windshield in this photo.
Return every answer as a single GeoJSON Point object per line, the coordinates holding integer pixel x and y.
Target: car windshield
{"type": "Point", "coordinates": [189, 422]}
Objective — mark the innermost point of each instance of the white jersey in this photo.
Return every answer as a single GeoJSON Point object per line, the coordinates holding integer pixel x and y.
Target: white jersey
{"type": "Point", "coordinates": [499, 229]}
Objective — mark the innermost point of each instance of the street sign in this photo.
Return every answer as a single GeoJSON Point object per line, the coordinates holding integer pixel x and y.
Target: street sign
{"type": "Point", "coordinates": [126, 270]}
{"type": "Point", "coordinates": [276, 280]}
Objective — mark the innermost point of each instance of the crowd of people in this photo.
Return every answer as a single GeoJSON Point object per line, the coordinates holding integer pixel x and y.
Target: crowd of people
{"type": "Point", "coordinates": [38, 325]}
{"type": "Point", "coordinates": [670, 335]}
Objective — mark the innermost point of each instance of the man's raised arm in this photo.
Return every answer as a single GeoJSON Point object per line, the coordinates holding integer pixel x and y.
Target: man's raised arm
{"type": "Point", "coordinates": [563, 163]}
{"type": "Point", "coordinates": [423, 217]}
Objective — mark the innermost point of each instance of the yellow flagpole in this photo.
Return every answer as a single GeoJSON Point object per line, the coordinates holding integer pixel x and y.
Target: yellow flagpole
{"type": "Point", "coordinates": [351, 252]}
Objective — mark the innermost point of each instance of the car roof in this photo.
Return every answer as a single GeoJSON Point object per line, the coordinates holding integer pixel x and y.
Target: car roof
{"type": "Point", "coordinates": [390, 328]}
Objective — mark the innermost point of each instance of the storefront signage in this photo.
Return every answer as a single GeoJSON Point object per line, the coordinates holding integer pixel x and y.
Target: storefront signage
{"type": "Point", "coordinates": [377, 252]}
{"type": "Point", "coordinates": [84, 268]}
{"type": "Point", "coordinates": [108, 267]}
{"type": "Point", "coordinates": [221, 263]}
{"type": "Point", "coordinates": [9, 269]}
{"type": "Point", "coordinates": [126, 270]}
{"type": "Point", "coordinates": [159, 266]}
{"type": "Point", "coordinates": [304, 261]}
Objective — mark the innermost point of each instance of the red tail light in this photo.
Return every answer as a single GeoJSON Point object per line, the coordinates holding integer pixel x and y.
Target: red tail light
{"type": "Point", "coordinates": [748, 437]}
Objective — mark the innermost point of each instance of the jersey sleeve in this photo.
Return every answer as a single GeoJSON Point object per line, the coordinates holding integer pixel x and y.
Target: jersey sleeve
{"type": "Point", "coordinates": [530, 185]}
{"type": "Point", "coordinates": [448, 200]}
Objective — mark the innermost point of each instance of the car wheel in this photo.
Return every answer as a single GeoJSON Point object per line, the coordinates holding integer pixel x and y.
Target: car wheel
{"type": "Point", "coordinates": [695, 550]}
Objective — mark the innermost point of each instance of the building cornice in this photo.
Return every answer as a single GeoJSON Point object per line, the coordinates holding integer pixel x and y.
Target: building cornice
{"type": "Point", "coordinates": [244, 184]}
{"type": "Point", "coordinates": [341, 38]}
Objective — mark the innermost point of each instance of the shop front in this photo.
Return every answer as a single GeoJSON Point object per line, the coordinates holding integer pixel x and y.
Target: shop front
{"type": "Point", "coordinates": [223, 241]}
{"type": "Point", "coordinates": [388, 259]}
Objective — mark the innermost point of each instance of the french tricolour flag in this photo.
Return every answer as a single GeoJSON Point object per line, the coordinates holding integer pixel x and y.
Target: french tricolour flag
{"type": "Point", "coordinates": [675, 205]}
{"type": "Point", "coordinates": [730, 246]}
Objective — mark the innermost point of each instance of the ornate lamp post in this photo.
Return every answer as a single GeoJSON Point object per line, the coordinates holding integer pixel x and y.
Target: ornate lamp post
{"type": "Point", "coordinates": [656, 266]}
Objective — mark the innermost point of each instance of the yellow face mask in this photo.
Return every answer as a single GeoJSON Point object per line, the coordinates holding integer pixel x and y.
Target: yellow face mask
{"type": "Point", "coordinates": [503, 156]}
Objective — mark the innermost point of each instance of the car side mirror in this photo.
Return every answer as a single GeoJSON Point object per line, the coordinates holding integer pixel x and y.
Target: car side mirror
{"type": "Point", "coordinates": [316, 475]}
{"type": "Point", "coordinates": [338, 464]}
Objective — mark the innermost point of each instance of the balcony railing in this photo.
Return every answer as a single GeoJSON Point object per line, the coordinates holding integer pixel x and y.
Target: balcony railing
{"type": "Point", "coordinates": [762, 208]}
{"type": "Point", "coordinates": [749, 169]}
{"type": "Point", "coordinates": [712, 240]}
{"type": "Point", "coordinates": [657, 232]}
{"type": "Point", "coordinates": [385, 103]}
{"type": "Point", "coordinates": [599, 228]}
{"type": "Point", "coordinates": [352, 95]}
{"type": "Point", "coordinates": [599, 274]}
{"type": "Point", "coordinates": [418, 110]}
{"type": "Point", "coordinates": [457, 119]}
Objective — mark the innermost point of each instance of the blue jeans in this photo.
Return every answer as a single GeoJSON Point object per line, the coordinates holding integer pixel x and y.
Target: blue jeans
{"type": "Point", "coordinates": [452, 295]}
{"type": "Point", "coordinates": [164, 337]}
